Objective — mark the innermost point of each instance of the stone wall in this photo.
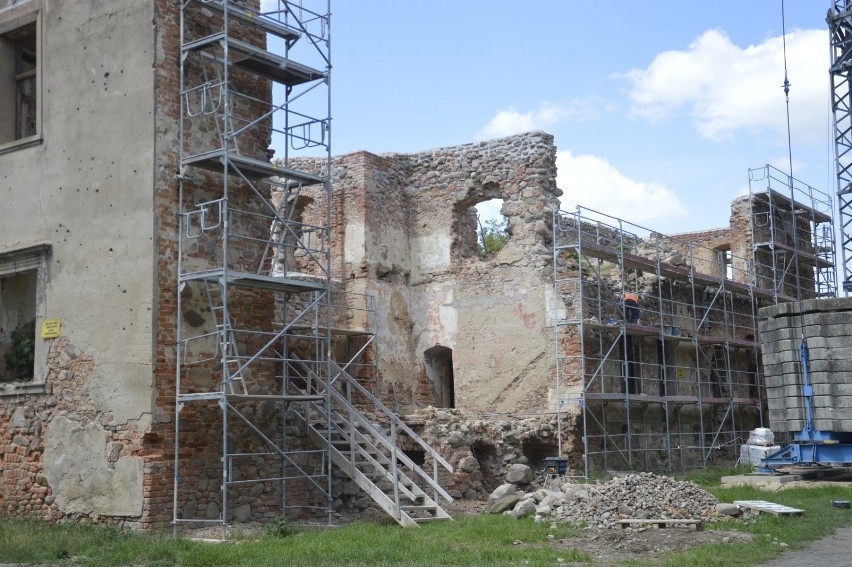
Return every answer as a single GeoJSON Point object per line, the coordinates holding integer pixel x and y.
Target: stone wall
{"type": "Point", "coordinates": [826, 327]}
{"type": "Point", "coordinates": [404, 234]}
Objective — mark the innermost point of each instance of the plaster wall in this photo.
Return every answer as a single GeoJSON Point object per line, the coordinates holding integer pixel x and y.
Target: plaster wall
{"type": "Point", "coordinates": [86, 189]}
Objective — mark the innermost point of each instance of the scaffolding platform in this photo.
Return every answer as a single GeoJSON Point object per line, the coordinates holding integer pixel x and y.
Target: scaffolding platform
{"type": "Point", "coordinates": [779, 199]}
{"type": "Point", "coordinates": [258, 61]}
{"type": "Point", "coordinates": [243, 279]}
{"type": "Point", "coordinates": [215, 161]}
{"type": "Point", "coordinates": [805, 257]}
{"type": "Point", "coordinates": [253, 18]}
{"type": "Point", "coordinates": [635, 262]}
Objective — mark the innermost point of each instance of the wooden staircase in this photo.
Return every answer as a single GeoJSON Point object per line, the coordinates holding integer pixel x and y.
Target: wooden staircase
{"type": "Point", "coordinates": [368, 452]}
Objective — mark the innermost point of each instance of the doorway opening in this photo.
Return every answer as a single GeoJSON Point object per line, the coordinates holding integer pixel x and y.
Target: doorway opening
{"type": "Point", "coordinates": [439, 369]}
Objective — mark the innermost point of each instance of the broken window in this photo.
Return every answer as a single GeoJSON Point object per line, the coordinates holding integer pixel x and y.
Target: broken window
{"type": "Point", "coordinates": [20, 272]}
{"type": "Point", "coordinates": [481, 229]}
{"type": "Point", "coordinates": [19, 84]}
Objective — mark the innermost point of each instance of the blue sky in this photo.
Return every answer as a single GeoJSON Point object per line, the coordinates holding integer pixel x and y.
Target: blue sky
{"type": "Point", "coordinates": [658, 108]}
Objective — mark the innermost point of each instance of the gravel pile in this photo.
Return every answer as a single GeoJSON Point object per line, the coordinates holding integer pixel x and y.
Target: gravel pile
{"type": "Point", "coordinates": [638, 496]}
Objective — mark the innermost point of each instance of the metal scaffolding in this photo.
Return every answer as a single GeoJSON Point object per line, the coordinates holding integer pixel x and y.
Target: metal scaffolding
{"type": "Point", "coordinates": [677, 383]}
{"type": "Point", "coordinates": [273, 356]}
{"type": "Point", "coordinates": [254, 262]}
{"type": "Point", "coordinates": [792, 236]}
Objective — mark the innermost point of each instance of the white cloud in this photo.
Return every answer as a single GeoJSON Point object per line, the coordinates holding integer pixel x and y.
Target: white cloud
{"type": "Point", "coordinates": [509, 121]}
{"type": "Point", "coordinates": [490, 210]}
{"type": "Point", "coordinates": [783, 163]}
{"type": "Point", "coordinates": [727, 88]}
{"type": "Point", "coordinates": [591, 181]}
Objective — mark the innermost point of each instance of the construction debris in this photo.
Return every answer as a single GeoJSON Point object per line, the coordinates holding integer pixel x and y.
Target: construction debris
{"type": "Point", "coordinates": [765, 507]}
{"type": "Point", "coordinates": [639, 496]}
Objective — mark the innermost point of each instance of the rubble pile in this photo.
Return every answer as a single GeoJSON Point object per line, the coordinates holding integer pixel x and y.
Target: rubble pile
{"type": "Point", "coordinates": [640, 496]}
{"type": "Point", "coordinates": [601, 505]}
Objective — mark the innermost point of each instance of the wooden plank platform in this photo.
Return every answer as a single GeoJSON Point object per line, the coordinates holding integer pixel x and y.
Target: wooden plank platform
{"type": "Point", "coordinates": [765, 507]}
{"type": "Point", "coordinates": [661, 523]}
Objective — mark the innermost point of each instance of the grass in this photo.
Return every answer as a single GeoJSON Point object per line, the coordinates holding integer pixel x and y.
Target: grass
{"type": "Point", "coordinates": [819, 520]}
{"type": "Point", "coordinates": [472, 540]}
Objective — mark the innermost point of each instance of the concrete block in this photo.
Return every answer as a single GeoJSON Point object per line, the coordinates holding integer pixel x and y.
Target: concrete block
{"type": "Point", "coordinates": [780, 333]}
{"type": "Point", "coordinates": [831, 352]}
{"type": "Point", "coordinates": [779, 356]}
{"type": "Point", "coordinates": [787, 426]}
{"type": "Point", "coordinates": [786, 414]}
{"type": "Point", "coordinates": [779, 368]}
{"type": "Point", "coordinates": [842, 332]}
{"type": "Point", "coordinates": [841, 389]}
{"type": "Point", "coordinates": [827, 318]}
{"type": "Point", "coordinates": [836, 402]}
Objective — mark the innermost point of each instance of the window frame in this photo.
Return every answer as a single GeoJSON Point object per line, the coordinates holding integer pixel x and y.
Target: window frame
{"type": "Point", "coordinates": [22, 16]}
{"type": "Point", "coordinates": [18, 261]}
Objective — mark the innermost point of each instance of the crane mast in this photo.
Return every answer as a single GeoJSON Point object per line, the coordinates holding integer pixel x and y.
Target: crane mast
{"type": "Point", "coordinates": [840, 32]}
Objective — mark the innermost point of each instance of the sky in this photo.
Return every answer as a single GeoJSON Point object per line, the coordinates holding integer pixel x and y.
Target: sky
{"type": "Point", "coordinates": [658, 108]}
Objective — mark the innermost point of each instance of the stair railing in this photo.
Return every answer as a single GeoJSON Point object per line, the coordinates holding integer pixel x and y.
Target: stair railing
{"type": "Point", "coordinates": [397, 424]}
{"type": "Point", "coordinates": [353, 414]}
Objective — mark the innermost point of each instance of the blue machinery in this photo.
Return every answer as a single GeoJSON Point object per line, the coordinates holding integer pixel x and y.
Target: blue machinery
{"type": "Point", "coordinates": [811, 447]}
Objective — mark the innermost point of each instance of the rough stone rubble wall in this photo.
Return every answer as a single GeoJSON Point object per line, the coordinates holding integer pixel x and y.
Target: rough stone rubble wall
{"type": "Point", "coordinates": [403, 223]}
{"type": "Point", "coordinates": [825, 324]}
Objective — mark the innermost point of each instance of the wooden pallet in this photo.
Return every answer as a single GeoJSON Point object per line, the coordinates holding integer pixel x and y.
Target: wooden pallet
{"type": "Point", "coordinates": [765, 507]}
{"type": "Point", "coordinates": [661, 523]}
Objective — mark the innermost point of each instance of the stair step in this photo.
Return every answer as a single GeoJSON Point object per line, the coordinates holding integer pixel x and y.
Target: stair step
{"type": "Point", "coordinates": [358, 445]}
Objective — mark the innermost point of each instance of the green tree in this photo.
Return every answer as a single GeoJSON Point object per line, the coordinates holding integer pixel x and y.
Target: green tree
{"type": "Point", "coordinates": [493, 236]}
{"type": "Point", "coordinates": [19, 360]}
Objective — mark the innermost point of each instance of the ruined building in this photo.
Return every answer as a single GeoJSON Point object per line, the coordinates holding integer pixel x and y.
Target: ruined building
{"type": "Point", "coordinates": [194, 329]}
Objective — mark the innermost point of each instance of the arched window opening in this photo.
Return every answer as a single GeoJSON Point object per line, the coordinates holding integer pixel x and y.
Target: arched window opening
{"type": "Point", "coordinates": [481, 229]}
{"type": "Point", "coordinates": [492, 227]}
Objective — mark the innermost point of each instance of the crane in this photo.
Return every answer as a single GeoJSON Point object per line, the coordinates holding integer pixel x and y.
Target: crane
{"type": "Point", "coordinates": [840, 33]}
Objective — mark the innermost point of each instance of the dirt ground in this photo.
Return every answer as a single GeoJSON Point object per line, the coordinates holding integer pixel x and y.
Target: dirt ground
{"type": "Point", "coordinates": [609, 547]}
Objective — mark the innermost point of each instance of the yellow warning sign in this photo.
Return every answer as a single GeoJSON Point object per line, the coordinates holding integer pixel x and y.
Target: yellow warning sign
{"type": "Point", "coordinates": [681, 374]}
{"type": "Point", "coordinates": [50, 328]}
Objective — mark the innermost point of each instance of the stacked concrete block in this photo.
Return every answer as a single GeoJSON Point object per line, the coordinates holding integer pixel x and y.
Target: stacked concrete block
{"type": "Point", "coordinates": [826, 326]}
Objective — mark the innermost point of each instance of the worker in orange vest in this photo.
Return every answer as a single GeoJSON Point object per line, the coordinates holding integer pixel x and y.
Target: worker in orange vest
{"type": "Point", "coordinates": [631, 308]}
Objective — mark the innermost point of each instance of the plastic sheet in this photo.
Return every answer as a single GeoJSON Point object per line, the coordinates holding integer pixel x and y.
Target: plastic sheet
{"type": "Point", "coordinates": [762, 436]}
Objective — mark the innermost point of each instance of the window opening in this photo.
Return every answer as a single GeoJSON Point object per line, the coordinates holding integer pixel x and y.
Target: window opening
{"type": "Point", "coordinates": [18, 92]}
{"type": "Point", "coordinates": [492, 230]}
{"type": "Point", "coordinates": [480, 229]}
{"type": "Point", "coordinates": [726, 264]}
{"type": "Point", "coordinates": [17, 327]}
